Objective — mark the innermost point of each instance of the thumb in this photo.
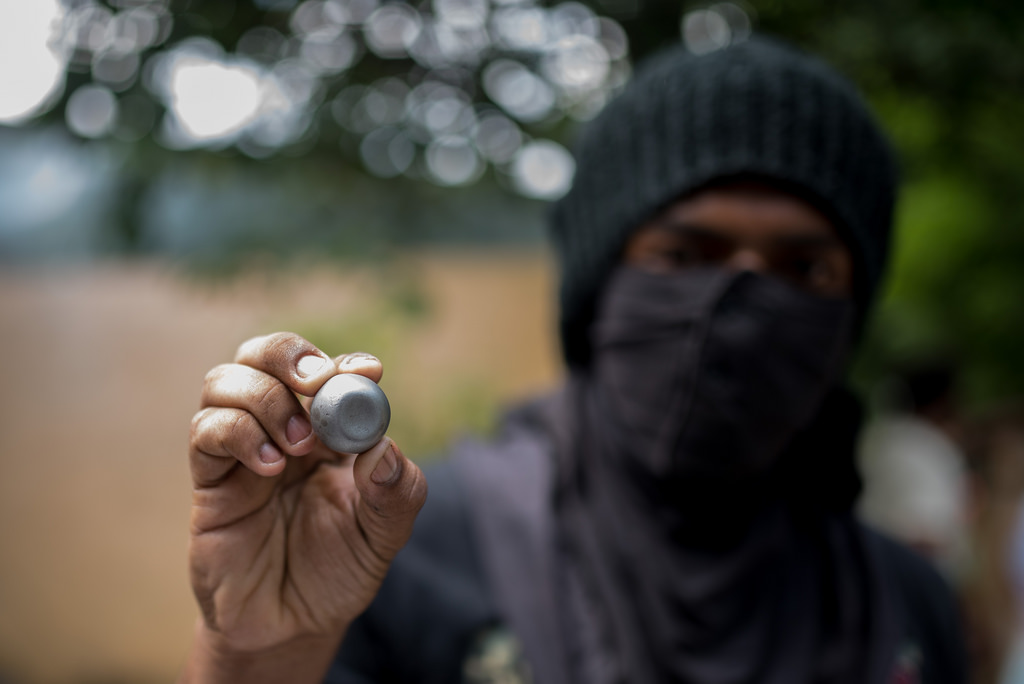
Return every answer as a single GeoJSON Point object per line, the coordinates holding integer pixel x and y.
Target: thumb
{"type": "Point", "coordinates": [392, 490]}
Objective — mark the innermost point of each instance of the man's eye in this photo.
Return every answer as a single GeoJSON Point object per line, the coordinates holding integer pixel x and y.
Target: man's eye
{"type": "Point", "coordinates": [700, 250]}
{"type": "Point", "coordinates": [665, 258]}
{"type": "Point", "coordinates": [681, 256]}
{"type": "Point", "coordinates": [812, 273]}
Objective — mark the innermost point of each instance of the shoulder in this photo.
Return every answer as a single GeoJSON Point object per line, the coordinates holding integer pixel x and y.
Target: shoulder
{"type": "Point", "coordinates": [437, 610]}
{"type": "Point", "coordinates": [918, 585]}
{"type": "Point", "coordinates": [433, 603]}
{"type": "Point", "coordinates": [933, 639]}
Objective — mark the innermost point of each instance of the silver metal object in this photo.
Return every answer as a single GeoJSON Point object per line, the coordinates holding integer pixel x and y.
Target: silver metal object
{"type": "Point", "coordinates": [350, 413]}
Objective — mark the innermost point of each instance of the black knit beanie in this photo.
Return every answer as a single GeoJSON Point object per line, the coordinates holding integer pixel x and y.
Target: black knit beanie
{"type": "Point", "coordinates": [757, 109]}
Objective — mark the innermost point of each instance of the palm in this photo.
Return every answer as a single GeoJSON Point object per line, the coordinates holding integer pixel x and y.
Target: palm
{"type": "Point", "coordinates": [279, 558]}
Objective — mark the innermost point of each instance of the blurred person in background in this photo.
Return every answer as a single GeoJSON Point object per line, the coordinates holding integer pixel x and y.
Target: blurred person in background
{"type": "Point", "coordinates": [915, 476]}
{"type": "Point", "coordinates": [681, 510]}
{"type": "Point", "coordinates": [993, 584]}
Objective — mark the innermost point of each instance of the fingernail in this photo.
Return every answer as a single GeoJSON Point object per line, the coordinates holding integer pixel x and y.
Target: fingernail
{"type": "Point", "coordinates": [298, 428]}
{"type": "Point", "coordinates": [387, 469]}
{"type": "Point", "coordinates": [310, 364]}
{"type": "Point", "coordinates": [269, 454]}
{"type": "Point", "coordinates": [357, 360]}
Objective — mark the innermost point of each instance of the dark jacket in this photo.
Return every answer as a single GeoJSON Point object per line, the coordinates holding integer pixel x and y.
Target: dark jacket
{"type": "Point", "coordinates": [437, 620]}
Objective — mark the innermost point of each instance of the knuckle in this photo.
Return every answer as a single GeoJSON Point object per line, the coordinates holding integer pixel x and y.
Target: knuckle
{"type": "Point", "coordinates": [234, 433]}
{"type": "Point", "coordinates": [271, 396]}
{"type": "Point", "coordinates": [214, 383]}
{"type": "Point", "coordinates": [197, 420]}
{"type": "Point", "coordinates": [196, 427]}
{"type": "Point", "coordinates": [216, 375]}
{"type": "Point", "coordinates": [249, 347]}
{"type": "Point", "coordinates": [282, 346]}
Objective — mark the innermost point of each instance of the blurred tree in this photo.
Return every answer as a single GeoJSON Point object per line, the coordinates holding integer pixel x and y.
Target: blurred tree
{"type": "Point", "coordinates": [299, 124]}
{"type": "Point", "coordinates": [945, 78]}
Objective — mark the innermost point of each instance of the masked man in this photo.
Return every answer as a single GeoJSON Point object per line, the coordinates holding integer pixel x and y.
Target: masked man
{"type": "Point", "coordinates": [680, 511]}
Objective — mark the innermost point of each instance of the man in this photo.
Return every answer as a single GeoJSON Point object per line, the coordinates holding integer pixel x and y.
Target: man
{"type": "Point", "coordinates": [680, 511]}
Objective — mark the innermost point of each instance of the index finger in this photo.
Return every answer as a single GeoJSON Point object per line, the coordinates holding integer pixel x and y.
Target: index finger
{"type": "Point", "coordinates": [292, 359]}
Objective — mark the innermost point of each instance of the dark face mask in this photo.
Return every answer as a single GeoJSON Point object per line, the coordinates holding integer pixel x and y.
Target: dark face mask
{"type": "Point", "coordinates": [712, 372]}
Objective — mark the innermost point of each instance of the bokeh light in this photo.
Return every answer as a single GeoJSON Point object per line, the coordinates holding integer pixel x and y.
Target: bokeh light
{"type": "Point", "coordinates": [707, 30]}
{"type": "Point", "coordinates": [519, 91]}
{"type": "Point", "coordinates": [263, 44]}
{"type": "Point", "coordinates": [117, 70]}
{"type": "Point", "coordinates": [387, 152]}
{"type": "Point", "coordinates": [521, 28]}
{"type": "Point", "coordinates": [91, 111]}
{"type": "Point", "coordinates": [497, 137]}
{"type": "Point", "coordinates": [543, 169]}
{"type": "Point", "coordinates": [315, 16]}
{"type": "Point", "coordinates": [31, 66]}
{"type": "Point", "coordinates": [214, 99]}
{"type": "Point", "coordinates": [452, 160]}
{"type": "Point", "coordinates": [577, 63]}
{"type": "Point", "coordinates": [211, 100]}
{"type": "Point", "coordinates": [391, 30]}
{"type": "Point", "coordinates": [330, 51]}
{"type": "Point", "coordinates": [480, 79]}
{"type": "Point", "coordinates": [462, 14]}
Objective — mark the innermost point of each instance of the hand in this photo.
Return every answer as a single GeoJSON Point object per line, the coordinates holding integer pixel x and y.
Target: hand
{"type": "Point", "coordinates": [289, 540]}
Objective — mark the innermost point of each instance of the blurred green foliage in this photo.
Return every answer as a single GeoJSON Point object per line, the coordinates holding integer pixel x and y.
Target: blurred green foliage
{"type": "Point", "coordinates": [945, 79]}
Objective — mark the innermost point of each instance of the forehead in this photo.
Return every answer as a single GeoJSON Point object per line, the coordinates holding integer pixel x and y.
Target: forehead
{"type": "Point", "coordinates": [749, 211]}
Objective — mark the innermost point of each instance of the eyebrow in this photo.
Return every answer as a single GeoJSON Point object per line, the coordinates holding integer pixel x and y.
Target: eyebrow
{"type": "Point", "coordinates": [795, 239]}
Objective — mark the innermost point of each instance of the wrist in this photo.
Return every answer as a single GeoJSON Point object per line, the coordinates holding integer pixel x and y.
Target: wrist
{"type": "Point", "coordinates": [213, 659]}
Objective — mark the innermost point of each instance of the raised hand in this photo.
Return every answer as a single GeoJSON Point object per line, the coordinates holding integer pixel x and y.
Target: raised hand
{"type": "Point", "coordinates": [289, 540]}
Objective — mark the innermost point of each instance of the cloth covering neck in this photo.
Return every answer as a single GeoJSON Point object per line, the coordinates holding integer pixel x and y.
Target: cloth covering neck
{"type": "Point", "coordinates": [605, 580]}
